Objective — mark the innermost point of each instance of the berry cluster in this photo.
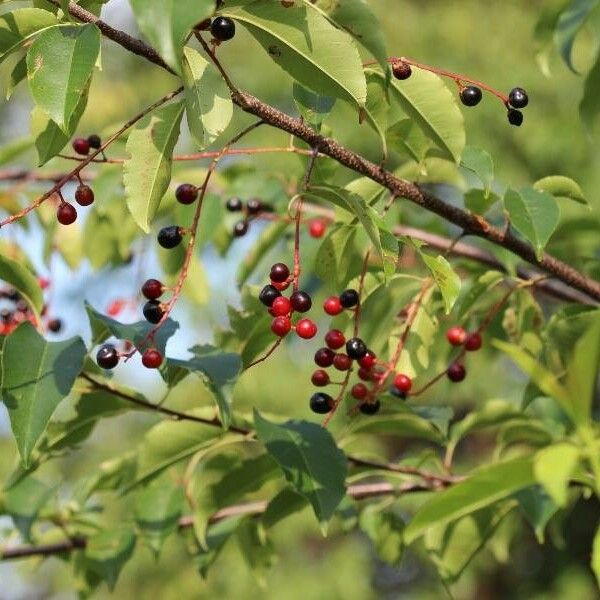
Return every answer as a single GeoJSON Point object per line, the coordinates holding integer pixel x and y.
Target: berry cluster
{"type": "Point", "coordinates": [251, 209]}
{"type": "Point", "coordinates": [471, 342]}
{"type": "Point", "coordinates": [282, 308]}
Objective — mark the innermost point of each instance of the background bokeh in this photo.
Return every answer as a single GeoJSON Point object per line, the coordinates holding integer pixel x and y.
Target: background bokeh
{"type": "Point", "coordinates": [491, 41]}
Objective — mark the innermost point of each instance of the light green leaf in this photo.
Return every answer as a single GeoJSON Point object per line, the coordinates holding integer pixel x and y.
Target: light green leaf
{"type": "Point", "coordinates": [147, 173]}
{"type": "Point", "coordinates": [553, 467]}
{"type": "Point", "coordinates": [590, 105]}
{"type": "Point", "coordinates": [402, 425]}
{"type": "Point", "coordinates": [17, 275]}
{"type": "Point", "coordinates": [166, 24]}
{"type": "Point", "coordinates": [334, 255]}
{"type": "Point", "coordinates": [23, 501]}
{"type": "Point", "coordinates": [107, 552]}
{"type": "Point", "coordinates": [568, 26]}
{"type": "Point", "coordinates": [17, 75]}
{"type": "Point", "coordinates": [306, 45]}
{"type": "Point", "coordinates": [18, 26]}
{"type": "Point", "coordinates": [534, 214]}
{"type": "Point", "coordinates": [60, 64]}
{"type": "Point", "coordinates": [385, 529]}
{"type": "Point", "coordinates": [596, 555]}
{"type": "Point", "coordinates": [310, 461]}
{"type": "Point", "coordinates": [406, 137]}
{"type": "Point", "coordinates": [538, 509]}
{"type": "Point", "coordinates": [269, 238]}
{"type": "Point", "coordinates": [562, 188]}
{"type": "Point", "coordinates": [479, 202]}
{"type": "Point", "coordinates": [209, 108]}
{"type": "Point", "coordinates": [479, 162]}
{"type": "Point", "coordinates": [487, 486]}
{"type": "Point", "coordinates": [313, 107]}
{"type": "Point", "coordinates": [33, 388]}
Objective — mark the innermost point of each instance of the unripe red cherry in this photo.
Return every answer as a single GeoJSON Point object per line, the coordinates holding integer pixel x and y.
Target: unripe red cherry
{"type": "Point", "coordinates": [342, 362]}
{"type": "Point", "coordinates": [84, 196]}
{"type": "Point", "coordinates": [473, 342]}
{"type": "Point", "coordinates": [456, 372]}
{"type": "Point", "coordinates": [186, 193]}
{"type": "Point", "coordinates": [368, 360]}
{"type": "Point", "coordinates": [364, 374]}
{"type": "Point", "coordinates": [456, 335]}
{"type": "Point", "coordinates": [281, 306]}
{"type": "Point", "coordinates": [317, 228]}
{"type": "Point", "coordinates": [152, 359]}
{"type": "Point", "coordinates": [66, 213]}
{"type": "Point", "coordinates": [152, 289]}
{"type": "Point", "coordinates": [324, 357]}
{"type": "Point", "coordinates": [403, 383]}
{"type": "Point", "coordinates": [320, 378]}
{"type": "Point", "coordinates": [359, 391]}
{"type": "Point", "coordinates": [332, 306]}
{"type": "Point", "coordinates": [281, 326]}
{"type": "Point", "coordinates": [81, 146]}
{"type": "Point", "coordinates": [306, 329]}
{"type": "Point", "coordinates": [279, 272]}
{"type": "Point", "coordinates": [335, 339]}
{"type": "Point", "coordinates": [280, 285]}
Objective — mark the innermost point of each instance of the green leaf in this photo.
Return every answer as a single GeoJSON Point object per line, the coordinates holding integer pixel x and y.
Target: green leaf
{"type": "Point", "coordinates": [385, 529]}
{"type": "Point", "coordinates": [147, 173]}
{"type": "Point", "coordinates": [596, 555]}
{"type": "Point", "coordinates": [312, 107]}
{"type": "Point", "coordinates": [209, 108]}
{"type": "Point", "coordinates": [310, 461]}
{"type": "Point", "coordinates": [590, 105]}
{"type": "Point", "coordinates": [60, 64]}
{"type": "Point", "coordinates": [562, 188]}
{"type": "Point", "coordinates": [538, 509]}
{"type": "Point", "coordinates": [24, 281]}
{"type": "Point", "coordinates": [376, 109]}
{"type": "Point", "coordinates": [428, 102]}
{"type": "Point", "coordinates": [166, 24]}
{"type": "Point", "coordinates": [407, 138]}
{"type": "Point", "coordinates": [479, 202]}
{"type": "Point", "coordinates": [479, 162]}
{"type": "Point", "coordinates": [485, 487]}
{"type": "Point", "coordinates": [24, 500]}
{"type": "Point", "coordinates": [107, 552]}
{"type": "Point", "coordinates": [33, 388]}
{"type": "Point", "coordinates": [306, 45]}
{"type": "Point", "coordinates": [18, 26]}
{"type": "Point", "coordinates": [553, 467]}
{"type": "Point", "coordinates": [568, 26]}
{"type": "Point", "coordinates": [286, 503]}
{"type": "Point", "coordinates": [534, 214]}
{"type": "Point", "coordinates": [334, 255]}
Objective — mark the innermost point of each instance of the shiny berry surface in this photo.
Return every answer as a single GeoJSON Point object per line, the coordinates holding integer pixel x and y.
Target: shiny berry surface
{"type": "Point", "coordinates": [332, 306]}
{"type": "Point", "coordinates": [321, 403]}
{"type": "Point", "coordinates": [306, 329]}
{"type": "Point", "coordinates": [335, 339]}
{"type": "Point", "coordinates": [152, 289]}
{"type": "Point", "coordinates": [342, 362]}
{"type": "Point", "coordinates": [320, 378]}
{"type": "Point", "coordinates": [324, 357]}
{"type": "Point", "coordinates": [152, 359]}
{"type": "Point", "coordinates": [281, 326]}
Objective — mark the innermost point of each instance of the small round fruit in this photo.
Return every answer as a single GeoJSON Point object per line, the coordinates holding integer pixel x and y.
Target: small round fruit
{"type": "Point", "coordinates": [356, 348]}
{"type": "Point", "coordinates": [107, 357]}
{"type": "Point", "coordinates": [456, 372]}
{"type": "Point", "coordinates": [153, 311]}
{"type": "Point", "coordinates": [342, 362]}
{"type": "Point", "coordinates": [55, 325]}
{"type": "Point", "coordinates": [403, 383]}
{"type": "Point", "coordinates": [456, 335]}
{"type": "Point", "coordinates": [321, 403]}
{"type": "Point", "coordinates": [268, 295]}
{"type": "Point", "coordinates": [81, 146]}
{"type": "Point", "coordinates": [279, 272]}
{"type": "Point", "coordinates": [364, 374]}
{"type": "Point", "coordinates": [368, 360]}
{"type": "Point", "coordinates": [234, 205]}
{"type": "Point", "coordinates": [401, 70]}
{"type": "Point", "coordinates": [473, 342]}
{"type": "Point", "coordinates": [152, 359]}
{"type": "Point", "coordinates": [332, 306]}
{"type": "Point", "coordinates": [222, 28]}
{"type": "Point", "coordinates": [281, 307]}
{"type": "Point", "coordinates": [301, 301]}
{"type": "Point", "coordinates": [317, 228]}
{"type": "Point", "coordinates": [84, 195]}
{"type": "Point", "coordinates": [306, 329]}
{"type": "Point", "coordinates": [335, 339]}
{"type": "Point", "coordinates": [370, 408]}
{"type": "Point", "coordinates": [359, 391]}
{"type": "Point", "coordinates": [186, 193]}
{"type": "Point", "coordinates": [152, 289]}
{"type": "Point", "coordinates": [240, 229]}
{"type": "Point", "coordinates": [94, 141]}
{"type": "Point", "coordinates": [66, 213]}
{"type": "Point", "coordinates": [281, 326]}
{"type": "Point", "coordinates": [254, 206]}
{"type": "Point", "coordinates": [470, 96]}
{"type": "Point", "coordinates": [518, 98]}
{"type": "Point", "coordinates": [515, 117]}
{"type": "Point", "coordinates": [324, 357]}
{"type": "Point", "coordinates": [349, 298]}
{"type": "Point", "coordinates": [170, 237]}
{"type": "Point", "coordinates": [320, 378]}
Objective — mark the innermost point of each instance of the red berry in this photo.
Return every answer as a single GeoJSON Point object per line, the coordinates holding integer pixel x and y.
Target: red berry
{"type": "Point", "coordinates": [84, 196]}
{"type": "Point", "coordinates": [335, 339]}
{"type": "Point", "coordinates": [152, 289]}
{"type": "Point", "coordinates": [456, 372]}
{"type": "Point", "coordinates": [332, 306]}
{"type": "Point", "coordinates": [324, 357]}
{"type": "Point", "coordinates": [359, 391]}
{"type": "Point", "coordinates": [456, 335]}
{"type": "Point", "coordinates": [317, 228]}
{"type": "Point", "coordinates": [281, 326]}
{"type": "Point", "coordinates": [368, 360]}
{"type": "Point", "coordinates": [280, 285]}
{"type": "Point", "coordinates": [281, 306]}
{"type": "Point", "coordinates": [403, 383]}
{"type": "Point", "coordinates": [44, 282]}
{"type": "Point", "coordinates": [342, 362]}
{"type": "Point", "coordinates": [320, 378]}
{"type": "Point", "coordinates": [115, 308]}
{"type": "Point", "coordinates": [81, 146]}
{"type": "Point", "coordinates": [279, 272]}
{"type": "Point", "coordinates": [473, 342]}
{"type": "Point", "coordinates": [152, 359]}
{"type": "Point", "coordinates": [66, 213]}
{"type": "Point", "coordinates": [186, 193]}
{"type": "Point", "coordinates": [364, 374]}
{"type": "Point", "coordinates": [306, 329]}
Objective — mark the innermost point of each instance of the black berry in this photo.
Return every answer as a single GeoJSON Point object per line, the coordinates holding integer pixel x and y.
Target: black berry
{"type": "Point", "coordinates": [222, 28]}
{"type": "Point", "coordinates": [152, 289]}
{"type": "Point", "coordinates": [268, 294]}
{"type": "Point", "coordinates": [394, 391]}
{"type": "Point", "coordinates": [356, 348]}
{"type": "Point", "coordinates": [84, 196]}
{"type": "Point", "coordinates": [301, 301]}
{"type": "Point", "coordinates": [153, 311]}
{"type": "Point", "coordinates": [518, 98]}
{"type": "Point", "coordinates": [279, 272]}
{"type": "Point", "coordinates": [107, 357]}
{"type": "Point", "coordinates": [470, 96]}
{"type": "Point", "coordinates": [254, 206]}
{"type": "Point", "coordinates": [240, 229]}
{"type": "Point", "coordinates": [515, 117]}
{"type": "Point", "coordinates": [321, 403]}
{"type": "Point", "coordinates": [186, 193]}
{"type": "Point", "coordinates": [234, 205]}
{"type": "Point", "coordinates": [94, 141]}
{"type": "Point", "coordinates": [66, 213]}
{"type": "Point", "coordinates": [55, 325]}
{"type": "Point", "coordinates": [349, 298]}
{"type": "Point", "coordinates": [401, 70]}
{"type": "Point", "coordinates": [370, 408]}
{"type": "Point", "coordinates": [456, 372]}
{"type": "Point", "coordinates": [170, 237]}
